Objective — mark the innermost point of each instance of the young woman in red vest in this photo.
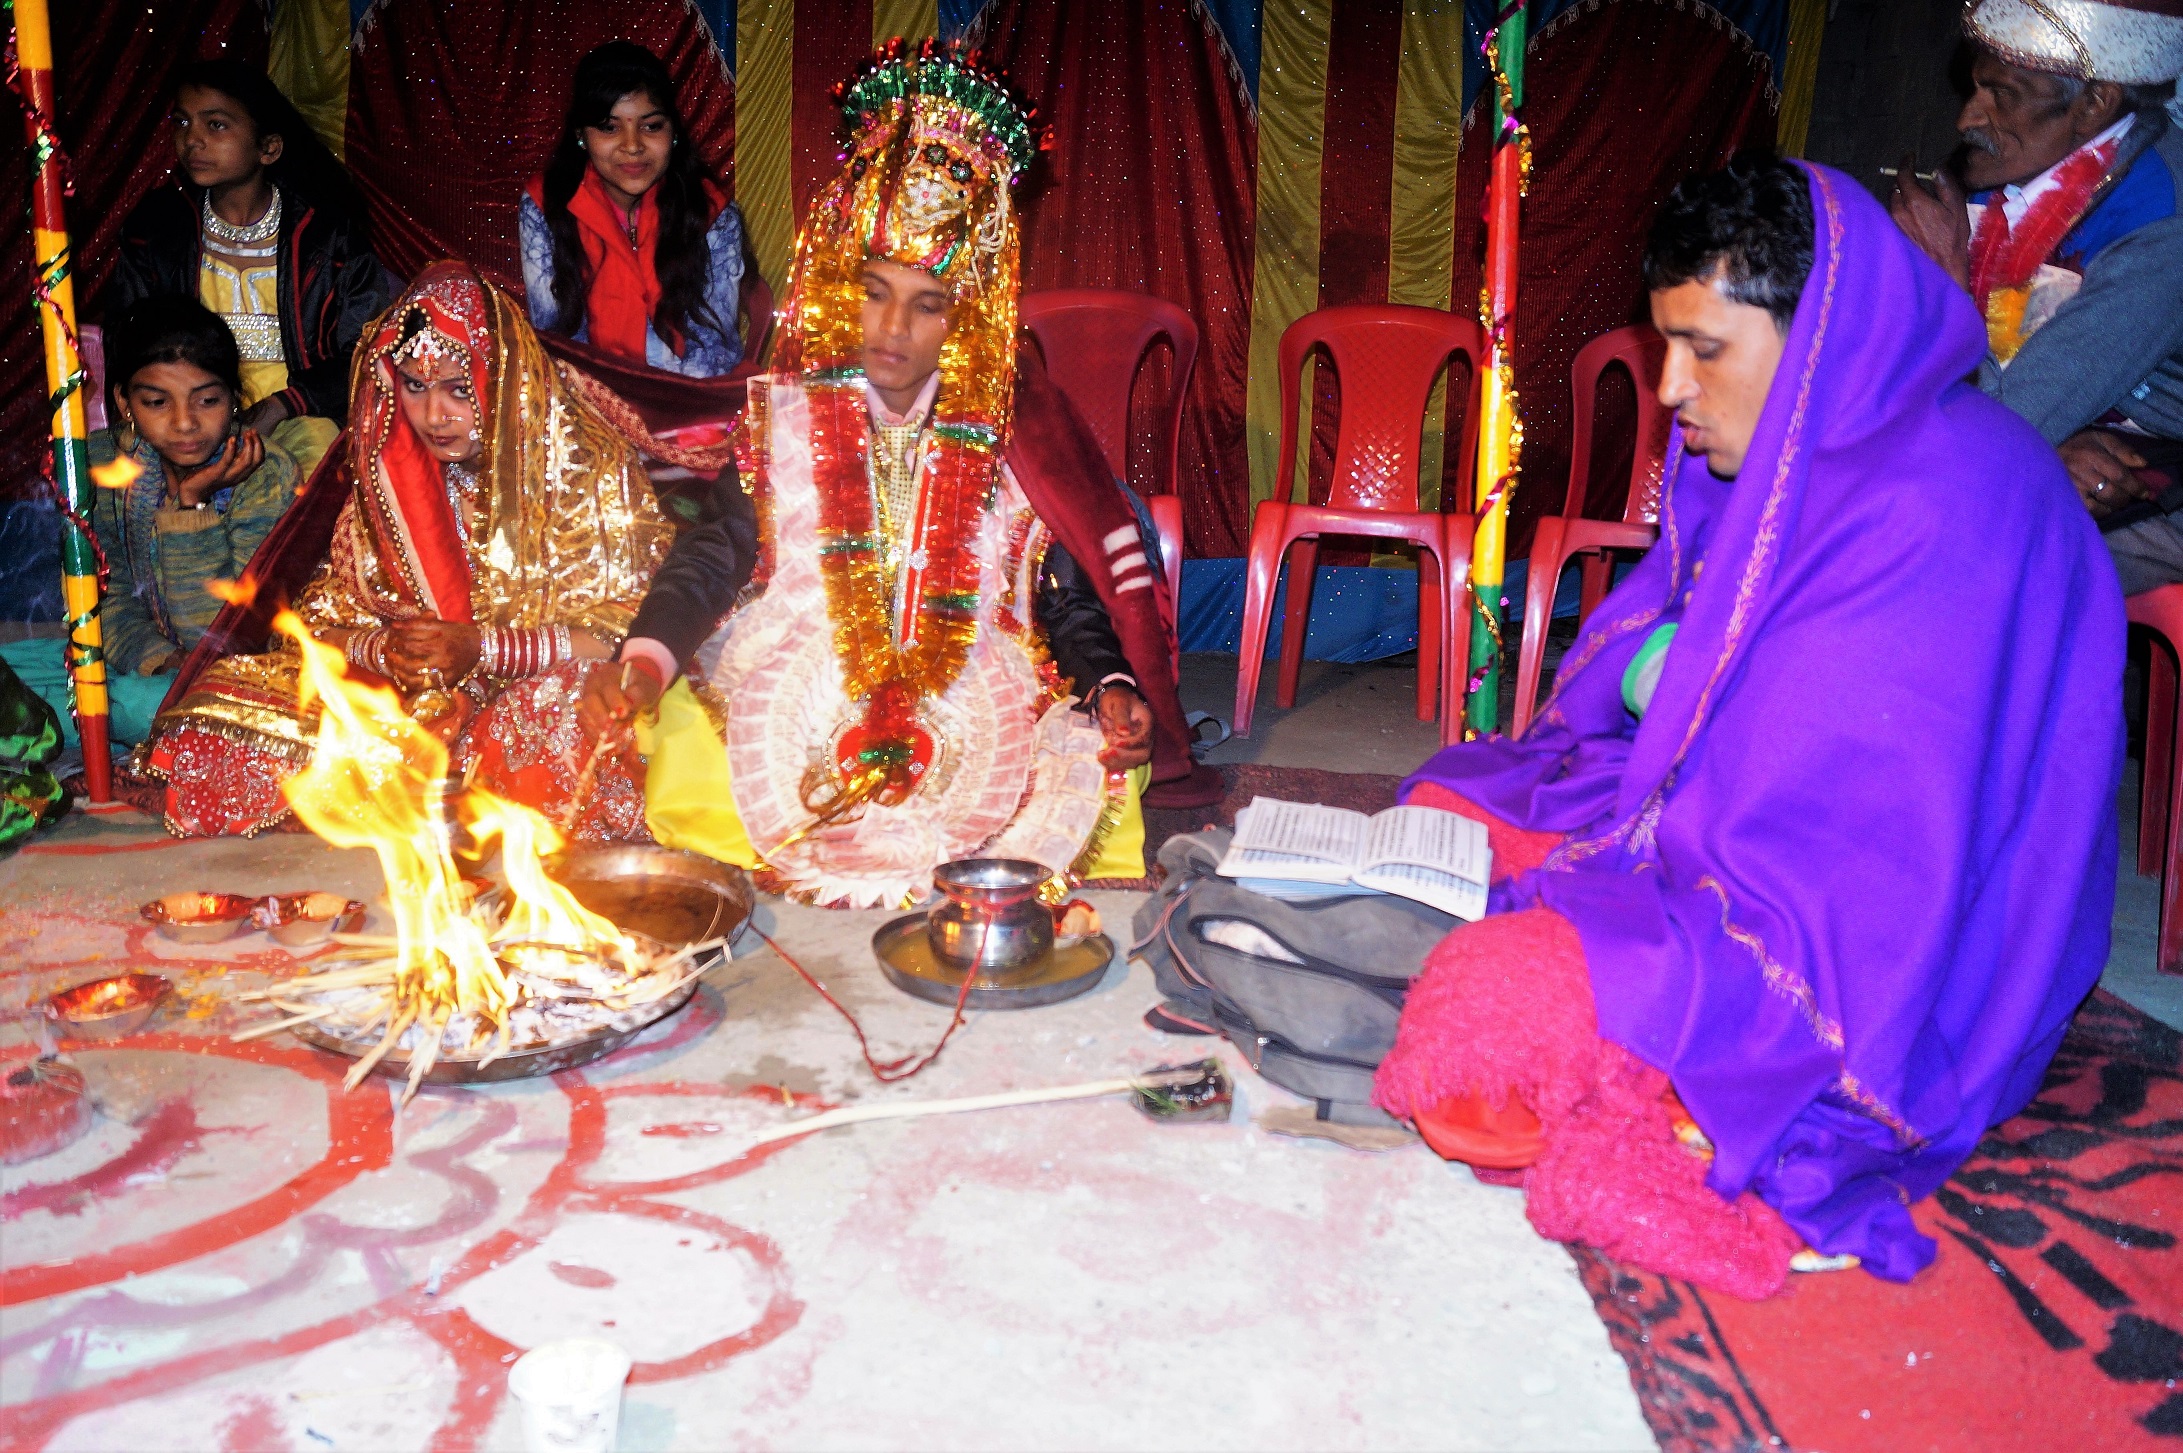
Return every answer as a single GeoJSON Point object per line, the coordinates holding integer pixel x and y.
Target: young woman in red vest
{"type": "Point", "coordinates": [627, 244]}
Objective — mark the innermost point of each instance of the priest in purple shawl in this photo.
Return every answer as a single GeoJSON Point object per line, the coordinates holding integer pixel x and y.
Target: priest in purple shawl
{"type": "Point", "coordinates": [1811, 856]}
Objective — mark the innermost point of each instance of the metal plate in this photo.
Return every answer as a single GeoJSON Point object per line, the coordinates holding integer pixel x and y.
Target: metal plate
{"type": "Point", "coordinates": [669, 896]}
{"type": "Point", "coordinates": [517, 1064]}
{"type": "Point", "coordinates": [906, 957]}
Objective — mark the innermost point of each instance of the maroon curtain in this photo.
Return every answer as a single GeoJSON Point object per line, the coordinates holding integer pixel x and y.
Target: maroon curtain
{"type": "Point", "coordinates": [1623, 103]}
{"type": "Point", "coordinates": [453, 108]}
{"type": "Point", "coordinates": [114, 79]}
{"type": "Point", "coordinates": [832, 40]}
{"type": "Point", "coordinates": [1149, 187]}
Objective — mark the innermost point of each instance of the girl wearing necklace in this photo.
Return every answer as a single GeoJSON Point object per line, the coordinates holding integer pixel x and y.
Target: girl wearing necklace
{"type": "Point", "coordinates": [260, 225]}
{"type": "Point", "coordinates": [627, 244]}
{"type": "Point", "coordinates": [206, 490]}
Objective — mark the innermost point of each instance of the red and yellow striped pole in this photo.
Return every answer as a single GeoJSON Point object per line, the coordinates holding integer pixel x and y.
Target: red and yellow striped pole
{"type": "Point", "coordinates": [1500, 430]}
{"type": "Point", "coordinates": [64, 376]}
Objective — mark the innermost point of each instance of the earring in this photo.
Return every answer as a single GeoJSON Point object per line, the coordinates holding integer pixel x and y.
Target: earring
{"type": "Point", "coordinates": [475, 436]}
{"type": "Point", "coordinates": [125, 435]}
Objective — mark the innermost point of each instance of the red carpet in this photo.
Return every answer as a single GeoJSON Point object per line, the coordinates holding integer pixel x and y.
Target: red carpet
{"type": "Point", "coordinates": [2053, 1318]}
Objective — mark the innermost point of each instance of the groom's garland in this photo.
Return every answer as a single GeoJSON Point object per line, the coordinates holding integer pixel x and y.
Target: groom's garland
{"type": "Point", "coordinates": [891, 668]}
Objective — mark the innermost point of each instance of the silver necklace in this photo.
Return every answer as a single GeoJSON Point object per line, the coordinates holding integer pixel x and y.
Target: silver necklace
{"type": "Point", "coordinates": [255, 236]}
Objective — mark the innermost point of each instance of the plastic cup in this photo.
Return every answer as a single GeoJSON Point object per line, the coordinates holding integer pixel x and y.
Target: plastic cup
{"type": "Point", "coordinates": [571, 1394]}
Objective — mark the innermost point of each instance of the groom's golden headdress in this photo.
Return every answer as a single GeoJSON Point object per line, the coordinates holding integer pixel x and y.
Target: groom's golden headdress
{"type": "Point", "coordinates": [936, 143]}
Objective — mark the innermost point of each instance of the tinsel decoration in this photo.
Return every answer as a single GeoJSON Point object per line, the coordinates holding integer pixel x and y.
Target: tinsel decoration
{"type": "Point", "coordinates": [936, 144]}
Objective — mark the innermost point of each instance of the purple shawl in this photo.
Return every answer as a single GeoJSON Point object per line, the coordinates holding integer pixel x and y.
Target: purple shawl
{"type": "Point", "coordinates": [1852, 874]}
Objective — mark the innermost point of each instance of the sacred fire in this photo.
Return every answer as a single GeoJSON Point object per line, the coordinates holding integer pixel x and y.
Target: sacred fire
{"type": "Point", "coordinates": [465, 976]}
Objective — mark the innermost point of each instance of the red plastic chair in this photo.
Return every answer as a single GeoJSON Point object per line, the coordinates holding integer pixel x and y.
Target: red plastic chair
{"type": "Point", "coordinates": [1095, 340]}
{"type": "Point", "coordinates": [1559, 540]}
{"type": "Point", "coordinates": [1385, 358]}
{"type": "Point", "coordinates": [2160, 804]}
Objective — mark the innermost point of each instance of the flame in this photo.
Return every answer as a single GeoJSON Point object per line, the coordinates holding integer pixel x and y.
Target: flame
{"type": "Point", "coordinates": [541, 911]}
{"type": "Point", "coordinates": [243, 592]}
{"type": "Point", "coordinates": [118, 473]}
{"type": "Point", "coordinates": [378, 780]}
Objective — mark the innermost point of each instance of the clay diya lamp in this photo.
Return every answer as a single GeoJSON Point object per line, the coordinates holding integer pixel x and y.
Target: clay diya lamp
{"type": "Point", "coordinates": [198, 917]}
{"type": "Point", "coordinates": [108, 1008]}
{"type": "Point", "coordinates": [306, 920]}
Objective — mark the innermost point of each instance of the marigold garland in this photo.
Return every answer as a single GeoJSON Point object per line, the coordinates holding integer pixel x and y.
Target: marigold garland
{"type": "Point", "coordinates": [938, 113]}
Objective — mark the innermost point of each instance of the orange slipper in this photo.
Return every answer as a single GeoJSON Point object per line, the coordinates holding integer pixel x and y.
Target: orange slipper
{"type": "Point", "coordinates": [1467, 1128]}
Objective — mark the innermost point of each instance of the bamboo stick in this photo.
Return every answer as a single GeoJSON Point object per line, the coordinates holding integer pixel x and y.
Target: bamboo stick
{"type": "Point", "coordinates": [65, 377]}
{"type": "Point", "coordinates": [910, 1109]}
{"type": "Point", "coordinates": [1498, 427]}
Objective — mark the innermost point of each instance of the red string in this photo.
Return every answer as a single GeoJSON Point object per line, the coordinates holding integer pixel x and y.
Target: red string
{"type": "Point", "coordinates": [893, 1070]}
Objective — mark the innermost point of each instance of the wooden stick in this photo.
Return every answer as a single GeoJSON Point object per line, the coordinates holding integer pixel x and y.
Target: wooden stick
{"type": "Point", "coordinates": [378, 1052]}
{"type": "Point", "coordinates": [903, 1110]}
{"type": "Point", "coordinates": [322, 983]}
{"type": "Point", "coordinates": [428, 1052]}
{"type": "Point", "coordinates": [261, 1030]}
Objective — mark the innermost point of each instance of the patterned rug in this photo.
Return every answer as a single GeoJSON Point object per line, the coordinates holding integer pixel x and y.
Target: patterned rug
{"type": "Point", "coordinates": [2053, 1317]}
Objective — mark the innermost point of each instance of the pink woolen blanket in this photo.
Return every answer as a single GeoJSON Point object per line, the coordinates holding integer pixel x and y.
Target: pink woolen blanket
{"type": "Point", "coordinates": [1504, 1007]}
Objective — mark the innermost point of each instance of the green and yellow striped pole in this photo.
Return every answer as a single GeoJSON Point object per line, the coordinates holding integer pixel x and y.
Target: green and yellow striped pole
{"type": "Point", "coordinates": [64, 376]}
{"type": "Point", "coordinates": [1500, 430]}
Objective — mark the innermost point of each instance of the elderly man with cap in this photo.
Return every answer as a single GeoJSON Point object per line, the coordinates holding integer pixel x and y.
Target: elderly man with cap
{"type": "Point", "coordinates": [2071, 243]}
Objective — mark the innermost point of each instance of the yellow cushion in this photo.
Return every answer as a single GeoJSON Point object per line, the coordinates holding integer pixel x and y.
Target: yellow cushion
{"type": "Point", "coordinates": [1122, 855]}
{"type": "Point", "coordinates": [689, 799]}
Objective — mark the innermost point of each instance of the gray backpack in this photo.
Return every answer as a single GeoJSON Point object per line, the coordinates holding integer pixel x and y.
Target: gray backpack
{"type": "Point", "coordinates": [1309, 992]}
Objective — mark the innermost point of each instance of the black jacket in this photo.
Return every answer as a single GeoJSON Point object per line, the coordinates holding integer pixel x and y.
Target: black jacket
{"type": "Point", "coordinates": [331, 286]}
{"type": "Point", "coordinates": [712, 559]}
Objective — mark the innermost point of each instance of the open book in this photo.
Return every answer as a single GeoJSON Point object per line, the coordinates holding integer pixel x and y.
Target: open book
{"type": "Point", "coordinates": [1299, 850]}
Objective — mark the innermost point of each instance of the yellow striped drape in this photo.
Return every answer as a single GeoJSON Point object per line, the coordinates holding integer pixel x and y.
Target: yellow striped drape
{"type": "Point", "coordinates": [309, 61]}
{"type": "Point", "coordinates": [1800, 76]}
{"type": "Point", "coordinates": [765, 65]}
{"type": "Point", "coordinates": [1428, 139]}
{"type": "Point", "coordinates": [1285, 279]}
{"type": "Point", "coordinates": [913, 20]}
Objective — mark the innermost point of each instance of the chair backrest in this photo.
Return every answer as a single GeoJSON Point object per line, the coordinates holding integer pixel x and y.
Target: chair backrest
{"type": "Point", "coordinates": [92, 348]}
{"type": "Point", "coordinates": [1385, 358]}
{"type": "Point", "coordinates": [1643, 352]}
{"type": "Point", "coordinates": [1094, 340]}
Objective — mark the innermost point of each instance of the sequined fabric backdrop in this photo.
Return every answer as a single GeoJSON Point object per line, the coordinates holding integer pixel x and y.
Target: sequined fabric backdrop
{"type": "Point", "coordinates": [1149, 187]}
{"type": "Point", "coordinates": [1623, 102]}
{"type": "Point", "coordinates": [453, 107]}
{"type": "Point", "coordinates": [1165, 177]}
